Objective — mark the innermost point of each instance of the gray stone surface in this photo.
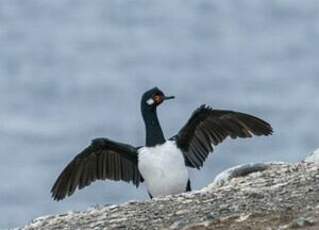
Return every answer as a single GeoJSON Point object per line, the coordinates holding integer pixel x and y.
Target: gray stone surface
{"type": "Point", "coordinates": [313, 157]}
{"type": "Point", "coordinates": [282, 196]}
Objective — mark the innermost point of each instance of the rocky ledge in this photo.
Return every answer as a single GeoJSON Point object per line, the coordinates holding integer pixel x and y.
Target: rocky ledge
{"type": "Point", "coordinates": [279, 196]}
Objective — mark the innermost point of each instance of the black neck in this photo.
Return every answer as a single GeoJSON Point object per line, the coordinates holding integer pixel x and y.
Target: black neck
{"type": "Point", "coordinates": [154, 133]}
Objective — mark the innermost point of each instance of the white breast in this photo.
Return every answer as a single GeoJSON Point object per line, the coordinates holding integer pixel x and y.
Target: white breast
{"type": "Point", "coordinates": [163, 169]}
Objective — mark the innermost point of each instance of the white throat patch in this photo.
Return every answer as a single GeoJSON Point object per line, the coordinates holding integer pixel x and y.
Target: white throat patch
{"type": "Point", "coordinates": [150, 101]}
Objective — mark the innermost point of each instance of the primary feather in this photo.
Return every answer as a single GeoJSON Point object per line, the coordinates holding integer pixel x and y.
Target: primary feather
{"type": "Point", "coordinates": [103, 159]}
{"type": "Point", "coordinates": [207, 126]}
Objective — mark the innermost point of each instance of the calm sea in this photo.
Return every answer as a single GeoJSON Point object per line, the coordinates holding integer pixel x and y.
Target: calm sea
{"type": "Point", "coordinates": [73, 70]}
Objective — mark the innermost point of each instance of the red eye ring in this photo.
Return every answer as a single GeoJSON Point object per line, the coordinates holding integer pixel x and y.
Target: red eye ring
{"type": "Point", "coordinates": [157, 98]}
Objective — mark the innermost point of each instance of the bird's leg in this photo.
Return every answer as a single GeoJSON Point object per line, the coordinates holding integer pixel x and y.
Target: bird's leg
{"type": "Point", "coordinates": [188, 186]}
{"type": "Point", "coordinates": [150, 195]}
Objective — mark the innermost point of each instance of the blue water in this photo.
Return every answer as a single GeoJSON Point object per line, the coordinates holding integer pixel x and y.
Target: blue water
{"type": "Point", "coordinates": [71, 71]}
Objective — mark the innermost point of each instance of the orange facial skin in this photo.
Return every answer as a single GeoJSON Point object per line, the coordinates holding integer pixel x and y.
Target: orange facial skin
{"type": "Point", "coordinates": [158, 99]}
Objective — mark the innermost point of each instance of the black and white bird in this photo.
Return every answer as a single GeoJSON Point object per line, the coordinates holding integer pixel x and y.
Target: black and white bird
{"type": "Point", "coordinates": [161, 163]}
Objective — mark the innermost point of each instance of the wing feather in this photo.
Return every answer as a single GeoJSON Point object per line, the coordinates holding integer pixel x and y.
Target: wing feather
{"type": "Point", "coordinates": [207, 127]}
{"type": "Point", "coordinates": [103, 159]}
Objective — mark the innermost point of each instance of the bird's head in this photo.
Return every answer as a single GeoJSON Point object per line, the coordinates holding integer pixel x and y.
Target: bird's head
{"type": "Point", "coordinates": [153, 98]}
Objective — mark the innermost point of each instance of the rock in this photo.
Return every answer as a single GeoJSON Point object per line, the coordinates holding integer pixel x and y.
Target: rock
{"type": "Point", "coordinates": [313, 157]}
{"type": "Point", "coordinates": [240, 171]}
{"type": "Point", "coordinates": [282, 196]}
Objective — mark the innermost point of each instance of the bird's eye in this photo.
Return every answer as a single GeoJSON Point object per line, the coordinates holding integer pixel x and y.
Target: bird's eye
{"type": "Point", "coordinates": [157, 98]}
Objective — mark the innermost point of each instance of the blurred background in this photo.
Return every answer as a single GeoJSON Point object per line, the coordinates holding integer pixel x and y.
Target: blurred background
{"type": "Point", "coordinates": [73, 70]}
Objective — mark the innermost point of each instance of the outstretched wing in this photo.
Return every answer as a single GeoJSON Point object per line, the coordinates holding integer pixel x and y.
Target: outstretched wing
{"type": "Point", "coordinates": [103, 159]}
{"type": "Point", "coordinates": [208, 126]}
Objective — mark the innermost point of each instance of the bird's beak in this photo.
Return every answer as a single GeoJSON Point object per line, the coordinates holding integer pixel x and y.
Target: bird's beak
{"type": "Point", "coordinates": [168, 97]}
